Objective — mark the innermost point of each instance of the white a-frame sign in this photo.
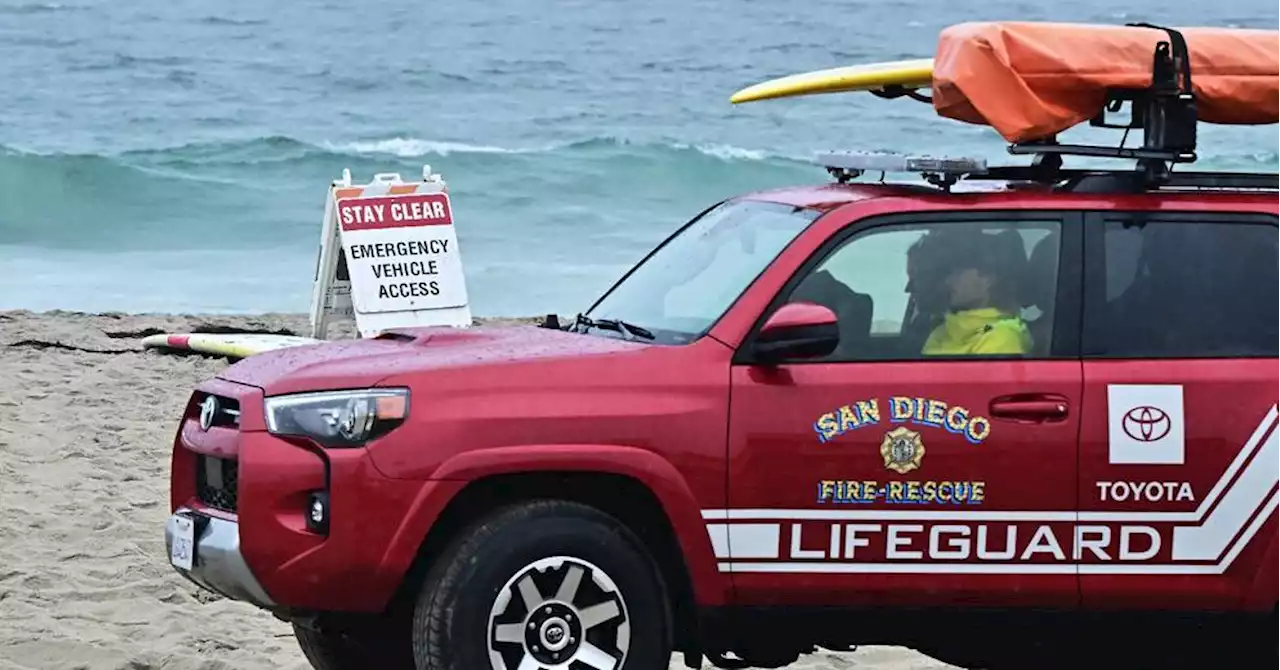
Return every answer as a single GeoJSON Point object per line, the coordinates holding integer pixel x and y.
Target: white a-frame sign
{"type": "Point", "coordinates": [389, 257]}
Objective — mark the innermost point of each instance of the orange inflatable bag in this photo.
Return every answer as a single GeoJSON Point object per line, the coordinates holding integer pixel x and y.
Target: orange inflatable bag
{"type": "Point", "coordinates": [1030, 81]}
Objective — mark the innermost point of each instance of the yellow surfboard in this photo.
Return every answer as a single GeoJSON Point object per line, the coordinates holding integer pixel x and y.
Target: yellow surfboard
{"type": "Point", "coordinates": [909, 74]}
{"type": "Point", "coordinates": [234, 345]}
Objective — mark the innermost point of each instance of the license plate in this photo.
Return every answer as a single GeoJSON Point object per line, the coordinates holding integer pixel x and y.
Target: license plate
{"type": "Point", "coordinates": [182, 551]}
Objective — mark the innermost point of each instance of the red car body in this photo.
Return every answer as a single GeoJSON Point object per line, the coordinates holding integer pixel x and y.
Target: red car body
{"type": "Point", "coordinates": [725, 454]}
{"type": "Point", "coordinates": [1026, 425]}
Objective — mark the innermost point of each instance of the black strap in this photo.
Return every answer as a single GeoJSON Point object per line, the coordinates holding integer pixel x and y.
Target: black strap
{"type": "Point", "coordinates": [1181, 57]}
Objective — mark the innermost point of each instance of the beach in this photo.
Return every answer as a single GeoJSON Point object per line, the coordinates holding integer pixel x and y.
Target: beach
{"type": "Point", "coordinates": [166, 169]}
{"type": "Point", "coordinates": [86, 425]}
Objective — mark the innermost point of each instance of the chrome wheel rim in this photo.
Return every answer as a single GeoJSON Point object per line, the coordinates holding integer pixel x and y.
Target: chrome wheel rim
{"type": "Point", "coordinates": [559, 613]}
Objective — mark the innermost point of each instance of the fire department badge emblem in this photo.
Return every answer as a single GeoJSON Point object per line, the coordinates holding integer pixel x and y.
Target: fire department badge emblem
{"type": "Point", "coordinates": [902, 450]}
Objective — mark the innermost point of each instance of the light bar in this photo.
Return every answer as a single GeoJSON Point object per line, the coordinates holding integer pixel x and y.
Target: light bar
{"type": "Point", "coordinates": [885, 162]}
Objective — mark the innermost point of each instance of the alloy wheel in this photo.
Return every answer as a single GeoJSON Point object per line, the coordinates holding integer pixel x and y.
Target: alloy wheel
{"type": "Point", "coordinates": [559, 613]}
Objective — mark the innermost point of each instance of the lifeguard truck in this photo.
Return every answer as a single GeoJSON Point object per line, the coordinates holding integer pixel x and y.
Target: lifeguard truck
{"type": "Point", "coordinates": [1017, 416]}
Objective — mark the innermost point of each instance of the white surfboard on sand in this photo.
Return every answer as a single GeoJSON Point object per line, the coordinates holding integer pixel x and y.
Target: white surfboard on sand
{"type": "Point", "coordinates": [238, 345]}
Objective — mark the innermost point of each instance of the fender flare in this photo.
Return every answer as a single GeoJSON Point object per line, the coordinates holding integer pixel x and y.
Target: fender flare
{"type": "Point", "coordinates": [710, 587]}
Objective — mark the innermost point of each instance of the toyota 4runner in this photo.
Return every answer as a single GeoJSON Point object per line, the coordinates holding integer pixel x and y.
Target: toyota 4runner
{"type": "Point", "coordinates": [1016, 416]}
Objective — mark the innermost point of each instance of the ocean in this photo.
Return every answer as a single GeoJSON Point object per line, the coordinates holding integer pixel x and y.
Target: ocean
{"type": "Point", "coordinates": [174, 157]}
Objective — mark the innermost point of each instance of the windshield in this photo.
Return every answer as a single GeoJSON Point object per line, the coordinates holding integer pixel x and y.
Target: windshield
{"type": "Point", "coordinates": [689, 282]}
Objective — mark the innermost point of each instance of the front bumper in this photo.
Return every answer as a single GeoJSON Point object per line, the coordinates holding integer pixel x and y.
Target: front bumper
{"type": "Point", "coordinates": [247, 494]}
{"type": "Point", "coordinates": [217, 563]}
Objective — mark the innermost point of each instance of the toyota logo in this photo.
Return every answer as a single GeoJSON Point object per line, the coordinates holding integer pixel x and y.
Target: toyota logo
{"type": "Point", "coordinates": [1146, 423]}
{"type": "Point", "coordinates": [208, 410]}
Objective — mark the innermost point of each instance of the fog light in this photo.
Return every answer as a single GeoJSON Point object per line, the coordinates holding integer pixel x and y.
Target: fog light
{"type": "Point", "coordinates": [318, 512]}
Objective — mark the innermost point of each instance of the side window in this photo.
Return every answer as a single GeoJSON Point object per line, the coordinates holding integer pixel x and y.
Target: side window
{"type": "Point", "coordinates": [941, 289]}
{"type": "Point", "coordinates": [1184, 288]}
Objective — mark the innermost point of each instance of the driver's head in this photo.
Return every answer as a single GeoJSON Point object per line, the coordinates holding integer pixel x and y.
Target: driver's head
{"type": "Point", "coordinates": [926, 260]}
{"type": "Point", "coordinates": [981, 271]}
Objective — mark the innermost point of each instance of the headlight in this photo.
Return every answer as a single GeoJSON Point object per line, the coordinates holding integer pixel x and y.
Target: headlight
{"type": "Point", "coordinates": [338, 418]}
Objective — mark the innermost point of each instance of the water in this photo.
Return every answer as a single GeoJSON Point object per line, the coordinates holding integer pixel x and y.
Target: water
{"type": "Point", "coordinates": [156, 156]}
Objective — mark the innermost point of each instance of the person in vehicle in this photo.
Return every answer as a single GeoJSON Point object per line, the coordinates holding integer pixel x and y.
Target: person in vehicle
{"type": "Point", "coordinates": [979, 276]}
{"type": "Point", "coordinates": [927, 261]}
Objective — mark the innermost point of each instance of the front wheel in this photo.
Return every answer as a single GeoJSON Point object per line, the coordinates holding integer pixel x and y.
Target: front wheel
{"type": "Point", "coordinates": [544, 584]}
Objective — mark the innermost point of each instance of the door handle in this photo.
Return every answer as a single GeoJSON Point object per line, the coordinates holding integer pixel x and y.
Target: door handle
{"type": "Point", "coordinates": [1031, 407]}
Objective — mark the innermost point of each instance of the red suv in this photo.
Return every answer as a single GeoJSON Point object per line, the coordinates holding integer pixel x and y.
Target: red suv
{"type": "Point", "coordinates": [1022, 417]}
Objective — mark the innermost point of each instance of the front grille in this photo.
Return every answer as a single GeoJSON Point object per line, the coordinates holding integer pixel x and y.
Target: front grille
{"type": "Point", "coordinates": [216, 482]}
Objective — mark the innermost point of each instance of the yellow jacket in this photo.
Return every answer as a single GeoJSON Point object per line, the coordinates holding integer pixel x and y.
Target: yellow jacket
{"type": "Point", "coordinates": [978, 331]}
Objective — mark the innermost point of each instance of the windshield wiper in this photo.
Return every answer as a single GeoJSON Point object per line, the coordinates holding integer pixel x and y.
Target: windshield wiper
{"type": "Point", "coordinates": [612, 324]}
{"type": "Point", "coordinates": [631, 328]}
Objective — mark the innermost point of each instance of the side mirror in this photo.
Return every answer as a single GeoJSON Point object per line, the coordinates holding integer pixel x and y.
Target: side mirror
{"type": "Point", "coordinates": [798, 330]}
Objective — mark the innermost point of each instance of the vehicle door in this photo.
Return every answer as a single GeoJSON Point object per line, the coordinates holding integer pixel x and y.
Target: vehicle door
{"type": "Point", "coordinates": [878, 474]}
{"type": "Point", "coordinates": [1179, 457]}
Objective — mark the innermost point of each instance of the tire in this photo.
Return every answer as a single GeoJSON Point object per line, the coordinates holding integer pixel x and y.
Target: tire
{"type": "Point", "coordinates": [376, 647]}
{"type": "Point", "coordinates": [599, 596]}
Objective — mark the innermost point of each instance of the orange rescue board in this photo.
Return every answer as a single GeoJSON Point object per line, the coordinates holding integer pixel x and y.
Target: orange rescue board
{"type": "Point", "coordinates": [1029, 81]}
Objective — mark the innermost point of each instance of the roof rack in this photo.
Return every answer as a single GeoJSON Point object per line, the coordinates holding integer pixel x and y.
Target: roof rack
{"type": "Point", "coordinates": [945, 171]}
{"type": "Point", "coordinates": [1165, 111]}
{"type": "Point", "coordinates": [1134, 181]}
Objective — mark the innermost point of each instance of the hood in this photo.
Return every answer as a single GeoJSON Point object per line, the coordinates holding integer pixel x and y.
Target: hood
{"type": "Point", "coordinates": [365, 362]}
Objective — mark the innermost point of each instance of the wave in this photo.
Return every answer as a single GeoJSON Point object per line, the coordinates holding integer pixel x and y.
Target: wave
{"type": "Point", "coordinates": [230, 21]}
{"type": "Point", "coordinates": [267, 190]}
{"type": "Point", "coordinates": [205, 161]}
{"type": "Point", "coordinates": [288, 150]}
{"type": "Point", "coordinates": [409, 147]}
{"type": "Point", "coordinates": [35, 8]}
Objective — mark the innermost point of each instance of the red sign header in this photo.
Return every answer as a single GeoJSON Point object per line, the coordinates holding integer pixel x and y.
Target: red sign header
{"type": "Point", "coordinates": [395, 211]}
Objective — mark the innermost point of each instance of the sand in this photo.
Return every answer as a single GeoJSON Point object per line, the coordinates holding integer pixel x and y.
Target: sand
{"type": "Point", "coordinates": [86, 423]}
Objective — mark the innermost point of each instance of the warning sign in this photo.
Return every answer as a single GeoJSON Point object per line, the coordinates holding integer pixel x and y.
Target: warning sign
{"type": "Point", "coordinates": [401, 252]}
{"type": "Point", "coordinates": [389, 257]}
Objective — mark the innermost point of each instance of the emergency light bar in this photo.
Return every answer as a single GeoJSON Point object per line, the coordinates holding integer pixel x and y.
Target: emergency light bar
{"type": "Point", "coordinates": [939, 171]}
{"type": "Point", "coordinates": [886, 162]}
